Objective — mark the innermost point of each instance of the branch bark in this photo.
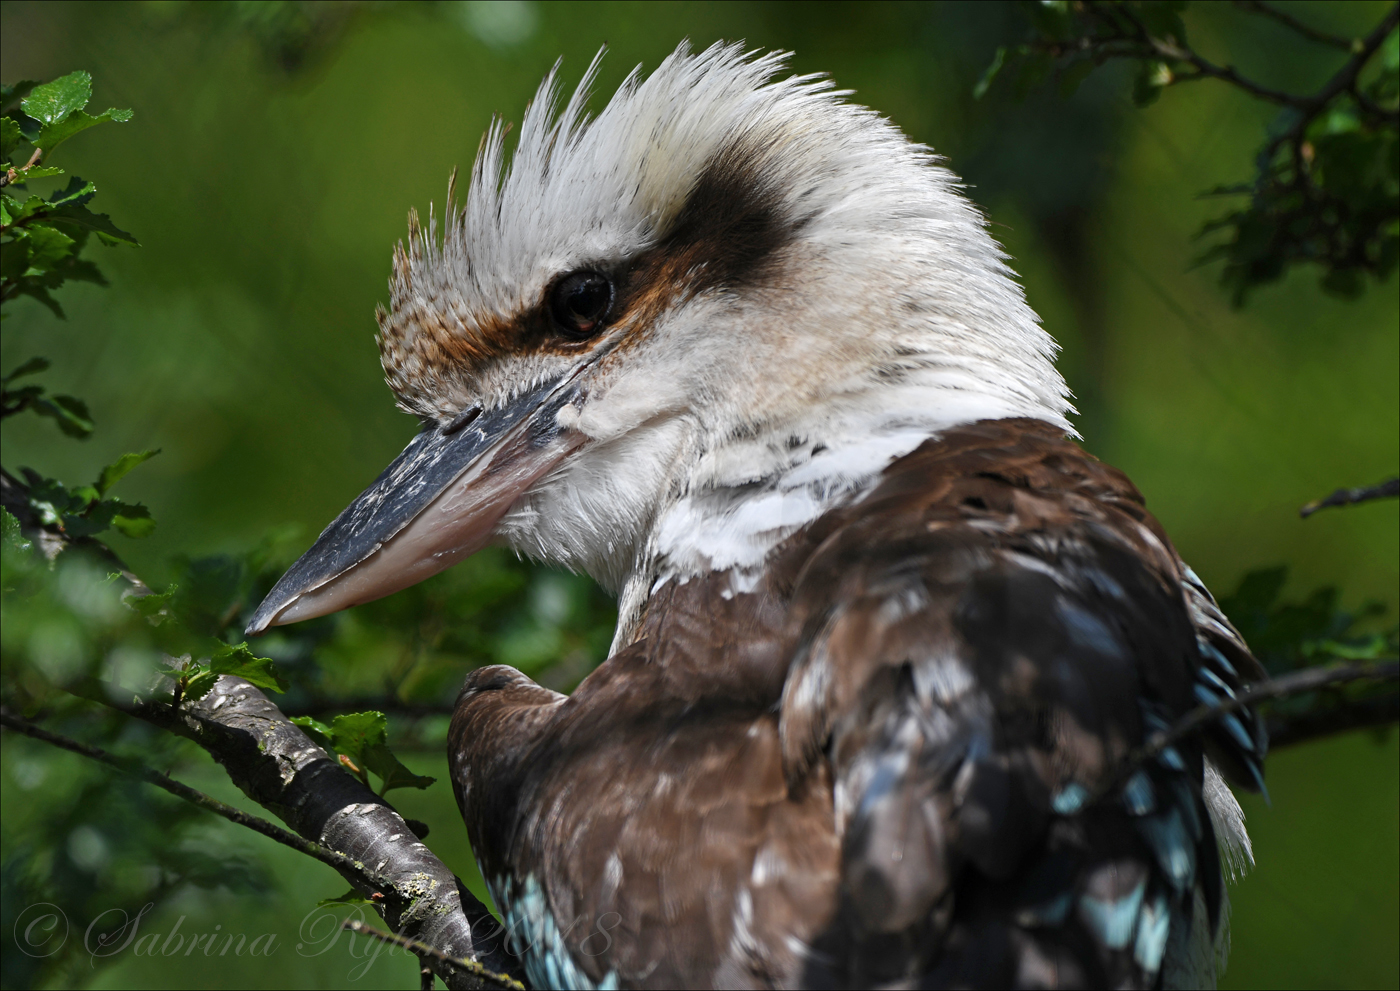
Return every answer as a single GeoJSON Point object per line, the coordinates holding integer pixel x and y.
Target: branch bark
{"type": "Point", "coordinates": [278, 766]}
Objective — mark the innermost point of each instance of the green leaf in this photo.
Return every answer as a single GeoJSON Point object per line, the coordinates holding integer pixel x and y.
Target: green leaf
{"type": "Point", "coordinates": [53, 135]}
{"type": "Point", "coordinates": [153, 606]}
{"type": "Point", "coordinates": [12, 93]}
{"type": "Point", "coordinates": [36, 172]}
{"type": "Point", "coordinates": [52, 102]}
{"type": "Point", "coordinates": [1034, 68]}
{"type": "Point", "coordinates": [351, 897]}
{"type": "Point", "coordinates": [89, 522]}
{"type": "Point", "coordinates": [362, 737]}
{"type": "Point", "coordinates": [10, 136]}
{"type": "Point", "coordinates": [238, 660]}
{"type": "Point", "coordinates": [1152, 77]}
{"type": "Point", "coordinates": [14, 259]}
{"type": "Point", "coordinates": [70, 413]}
{"type": "Point", "coordinates": [82, 270]}
{"type": "Point", "coordinates": [132, 519]}
{"type": "Point", "coordinates": [118, 469]}
{"type": "Point", "coordinates": [45, 246]}
{"type": "Point", "coordinates": [10, 531]}
{"type": "Point", "coordinates": [319, 732]}
{"type": "Point", "coordinates": [108, 232]}
{"type": "Point", "coordinates": [1074, 74]}
{"type": "Point", "coordinates": [200, 685]}
{"type": "Point", "coordinates": [381, 760]}
{"type": "Point", "coordinates": [1365, 649]}
{"type": "Point", "coordinates": [1390, 52]}
{"type": "Point", "coordinates": [1052, 18]}
{"type": "Point", "coordinates": [76, 193]}
{"type": "Point", "coordinates": [355, 732]}
{"type": "Point", "coordinates": [1258, 590]}
{"type": "Point", "coordinates": [990, 73]}
{"type": "Point", "coordinates": [30, 367]}
{"type": "Point", "coordinates": [1163, 20]}
{"type": "Point", "coordinates": [16, 212]}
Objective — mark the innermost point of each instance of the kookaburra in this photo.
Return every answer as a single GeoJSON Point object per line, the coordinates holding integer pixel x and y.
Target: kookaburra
{"type": "Point", "coordinates": [889, 641]}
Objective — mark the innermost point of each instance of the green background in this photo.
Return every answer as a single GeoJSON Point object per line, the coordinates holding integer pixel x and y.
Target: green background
{"type": "Point", "coordinates": [267, 193]}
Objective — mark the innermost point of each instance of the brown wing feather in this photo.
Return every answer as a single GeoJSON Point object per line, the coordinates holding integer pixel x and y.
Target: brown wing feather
{"type": "Point", "coordinates": [863, 772]}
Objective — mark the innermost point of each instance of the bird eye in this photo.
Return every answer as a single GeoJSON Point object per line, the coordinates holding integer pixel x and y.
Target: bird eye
{"type": "Point", "coordinates": [581, 302]}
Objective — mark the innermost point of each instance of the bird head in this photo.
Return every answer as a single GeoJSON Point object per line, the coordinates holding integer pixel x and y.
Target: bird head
{"type": "Point", "coordinates": [661, 340]}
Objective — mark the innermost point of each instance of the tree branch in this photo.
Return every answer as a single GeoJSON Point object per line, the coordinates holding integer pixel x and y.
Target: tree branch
{"type": "Point", "coordinates": [1389, 489]}
{"type": "Point", "coordinates": [1205, 69]}
{"type": "Point", "coordinates": [181, 790]}
{"type": "Point", "coordinates": [426, 953]}
{"type": "Point", "coordinates": [278, 766]}
{"type": "Point", "coordinates": [1293, 24]}
{"type": "Point", "coordinates": [1140, 43]}
{"type": "Point", "coordinates": [1297, 683]}
{"type": "Point", "coordinates": [1345, 78]}
{"type": "Point", "coordinates": [1305, 727]}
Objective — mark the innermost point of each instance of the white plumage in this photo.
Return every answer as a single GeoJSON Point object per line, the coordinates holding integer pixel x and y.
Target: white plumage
{"type": "Point", "coordinates": [895, 316]}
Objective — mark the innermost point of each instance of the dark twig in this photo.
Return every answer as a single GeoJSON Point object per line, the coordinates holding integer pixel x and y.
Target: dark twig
{"type": "Point", "coordinates": [1297, 683]}
{"type": "Point", "coordinates": [1354, 714]}
{"type": "Point", "coordinates": [12, 174]}
{"type": "Point", "coordinates": [1308, 106]}
{"type": "Point", "coordinates": [1205, 69]}
{"type": "Point", "coordinates": [1345, 78]}
{"type": "Point", "coordinates": [1389, 489]}
{"type": "Point", "coordinates": [427, 953]}
{"type": "Point", "coordinates": [180, 790]}
{"type": "Point", "coordinates": [1293, 24]}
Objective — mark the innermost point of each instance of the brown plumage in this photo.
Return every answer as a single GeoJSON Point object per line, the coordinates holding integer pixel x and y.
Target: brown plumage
{"type": "Point", "coordinates": [861, 771]}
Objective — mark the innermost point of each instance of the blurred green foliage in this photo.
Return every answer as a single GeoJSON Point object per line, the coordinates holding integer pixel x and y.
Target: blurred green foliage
{"type": "Point", "coordinates": [76, 629]}
{"type": "Point", "coordinates": [43, 238]}
{"type": "Point", "coordinates": [1327, 183]}
{"type": "Point", "coordinates": [239, 341]}
{"type": "Point", "coordinates": [1286, 636]}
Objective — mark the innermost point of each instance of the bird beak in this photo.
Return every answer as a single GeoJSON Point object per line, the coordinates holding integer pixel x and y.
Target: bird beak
{"type": "Point", "coordinates": [435, 504]}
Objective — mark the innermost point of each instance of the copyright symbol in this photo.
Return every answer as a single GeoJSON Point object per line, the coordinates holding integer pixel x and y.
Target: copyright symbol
{"type": "Point", "coordinates": [41, 930]}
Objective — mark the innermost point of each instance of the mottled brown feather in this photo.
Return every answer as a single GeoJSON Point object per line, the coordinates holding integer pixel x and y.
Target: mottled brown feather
{"type": "Point", "coordinates": [775, 788]}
